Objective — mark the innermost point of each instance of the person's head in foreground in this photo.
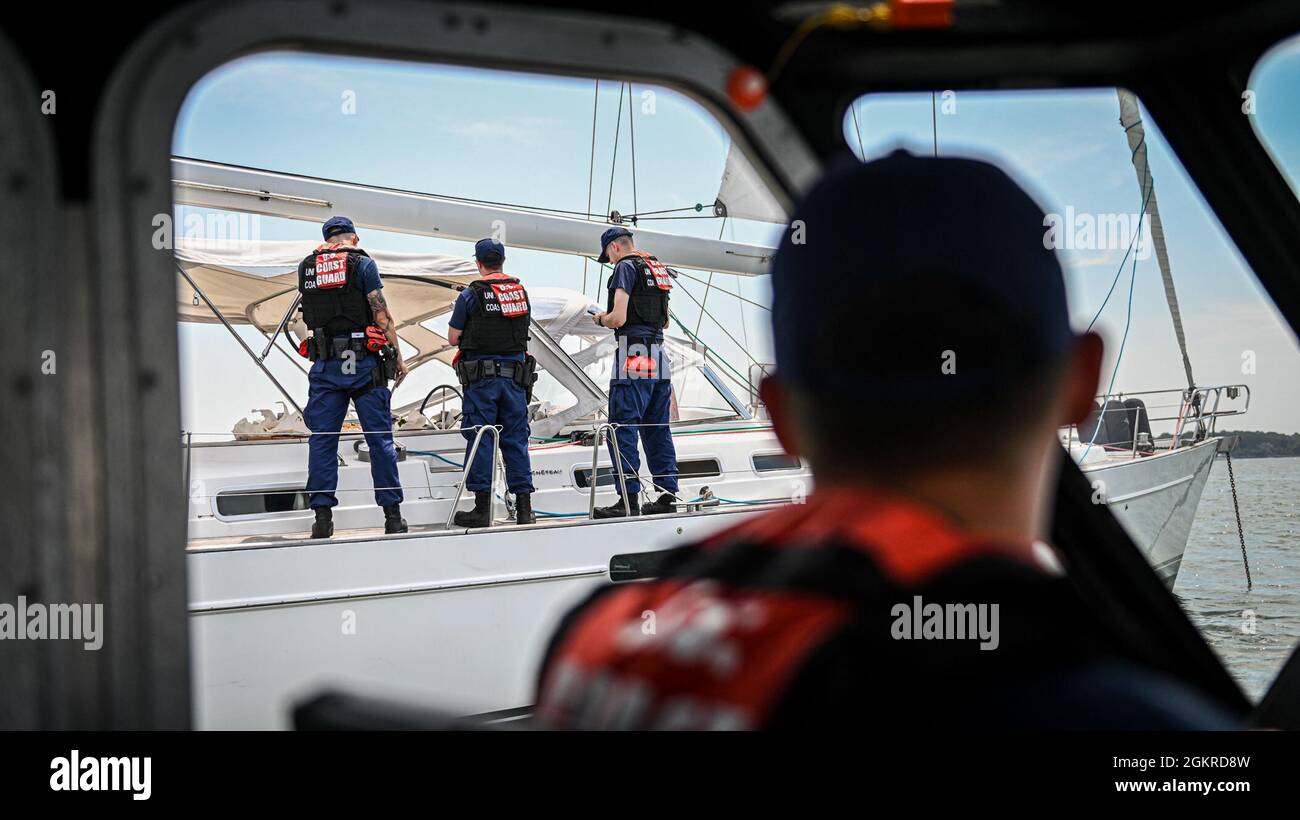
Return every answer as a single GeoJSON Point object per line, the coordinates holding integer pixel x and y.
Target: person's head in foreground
{"type": "Point", "coordinates": [923, 343]}
{"type": "Point", "coordinates": [924, 363]}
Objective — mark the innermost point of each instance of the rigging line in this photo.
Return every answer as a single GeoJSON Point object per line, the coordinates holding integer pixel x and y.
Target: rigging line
{"type": "Point", "coordinates": [613, 164]}
{"type": "Point", "coordinates": [1119, 357]}
{"type": "Point", "coordinates": [654, 218]}
{"type": "Point", "coordinates": [744, 328]}
{"type": "Point", "coordinates": [724, 290]}
{"type": "Point", "coordinates": [697, 207]}
{"type": "Point", "coordinates": [1131, 244]}
{"type": "Point", "coordinates": [934, 123]}
{"type": "Point", "coordinates": [631, 135]}
{"type": "Point", "coordinates": [709, 286]}
{"type": "Point", "coordinates": [730, 368]}
{"type": "Point", "coordinates": [862, 149]}
{"type": "Point", "coordinates": [721, 327]}
{"type": "Point", "coordinates": [591, 169]}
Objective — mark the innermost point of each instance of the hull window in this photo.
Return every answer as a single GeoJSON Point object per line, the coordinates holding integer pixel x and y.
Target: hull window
{"type": "Point", "coordinates": [771, 462]}
{"type": "Point", "coordinates": [261, 502]}
{"type": "Point", "coordinates": [695, 468]}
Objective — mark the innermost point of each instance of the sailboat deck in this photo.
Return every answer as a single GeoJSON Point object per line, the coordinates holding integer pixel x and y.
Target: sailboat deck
{"type": "Point", "coordinates": [377, 534]}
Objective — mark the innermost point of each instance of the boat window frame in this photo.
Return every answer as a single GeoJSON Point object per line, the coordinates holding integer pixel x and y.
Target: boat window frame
{"type": "Point", "coordinates": [257, 489]}
{"type": "Point", "coordinates": [754, 456]}
{"type": "Point", "coordinates": [584, 486]}
{"type": "Point", "coordinates": [131, 149]}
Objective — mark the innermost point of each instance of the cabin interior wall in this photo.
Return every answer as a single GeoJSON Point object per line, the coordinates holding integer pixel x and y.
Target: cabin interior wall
{"type": "Point", "coordinates": [52, 544]}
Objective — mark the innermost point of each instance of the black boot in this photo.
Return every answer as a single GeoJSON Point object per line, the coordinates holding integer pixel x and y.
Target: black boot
{"type": "Point", "coordinates": [616, 510]}
{"type": "Point", "coordinates": [524, 509]}
{"type": "Point", "coordinates": [665, 503]}
{"type": "Point", "coordinates": [480, 516]}
{"type": "Point", "coordinates": [393, 520]}
{"type": "Point", "coordinates": [324, 525]}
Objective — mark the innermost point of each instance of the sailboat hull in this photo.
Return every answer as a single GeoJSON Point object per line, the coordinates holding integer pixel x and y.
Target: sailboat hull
{"type": "Point", "coordinates": [461, 619]}
{"type": "Point", "coordinates": [453, 618]}
{"type": "Point", "coordinates": [1155, 498]}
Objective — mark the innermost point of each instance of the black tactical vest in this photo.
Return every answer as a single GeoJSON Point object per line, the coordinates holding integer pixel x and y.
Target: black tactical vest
{"type": "Point", "coordinates": [498, 323]}
{"type": "Point", "coordinates": [647, 304]}
{"type": "Point", "coordinates": [331, 295]}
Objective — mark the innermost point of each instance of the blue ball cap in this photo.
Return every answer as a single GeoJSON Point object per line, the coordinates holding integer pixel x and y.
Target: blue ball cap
{"type": "Point", "coordinates": [489, 252]}
{"type": "Point", "coordinates": [337, 224]}
{"type": "Point", "coordinates": [607, 237]}
{"type": "Point", "coordinates": [919, 277]}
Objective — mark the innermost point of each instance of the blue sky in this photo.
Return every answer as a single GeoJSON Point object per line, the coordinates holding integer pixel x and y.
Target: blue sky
{"type": "Point", "coordinates": [527, 139]}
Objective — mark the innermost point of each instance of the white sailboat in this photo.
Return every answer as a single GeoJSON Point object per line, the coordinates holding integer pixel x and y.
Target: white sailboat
{"type": "Point", "coordinates": [460, 617]}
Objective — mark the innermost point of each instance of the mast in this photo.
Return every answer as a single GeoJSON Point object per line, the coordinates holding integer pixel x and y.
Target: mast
{"type": "Point", "coordinates": [251, 190]}
{"type": "Point", "coordinates": [1131, 118]}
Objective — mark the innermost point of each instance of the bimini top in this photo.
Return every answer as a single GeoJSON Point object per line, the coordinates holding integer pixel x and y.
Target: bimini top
{"type": "Point", "coordinates": [255, 282]}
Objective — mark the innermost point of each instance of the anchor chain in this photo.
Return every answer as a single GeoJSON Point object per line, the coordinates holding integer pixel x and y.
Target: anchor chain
{"type": "Point", "coordinates": [1241, 534]}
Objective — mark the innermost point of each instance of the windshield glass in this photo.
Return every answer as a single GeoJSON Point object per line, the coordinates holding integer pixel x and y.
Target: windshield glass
{"type": "Point", "coordinates": [571, 146]}
{"type": "Point", "coordinates": [1072, 150]}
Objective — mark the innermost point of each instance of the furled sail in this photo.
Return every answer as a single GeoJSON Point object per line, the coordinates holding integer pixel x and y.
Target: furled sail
{"type": "Point", "coordinates": [743, 195]}
{"type": "Point", "coordinates": [1130, 117]}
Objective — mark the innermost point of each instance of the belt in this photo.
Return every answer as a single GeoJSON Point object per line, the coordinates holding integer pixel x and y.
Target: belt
{"type": "Point", "coordinates": [646, 340]}
{"type": "Point", "coordinates": [495, 368]}
{"type": "Point", "coordinates": [344, 343]}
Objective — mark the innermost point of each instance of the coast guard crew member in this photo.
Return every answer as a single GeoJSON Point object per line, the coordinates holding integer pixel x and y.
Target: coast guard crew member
{"type": "Point", "coordinates": [344, 309]}
{"type": "Point", "coordinates": [913, 590]}
{"type": "Point", "coordinates": [641, 388]}
{"type": "Point", "coordinates": [489, 323]}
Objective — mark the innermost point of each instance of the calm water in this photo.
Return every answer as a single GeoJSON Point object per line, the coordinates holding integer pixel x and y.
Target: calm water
{"type": "Point", "coordinates": [1212, 582]}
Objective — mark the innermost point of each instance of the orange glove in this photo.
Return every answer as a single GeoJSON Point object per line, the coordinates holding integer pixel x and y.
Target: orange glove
{"type": "Point", "coordinates": [375, 339]}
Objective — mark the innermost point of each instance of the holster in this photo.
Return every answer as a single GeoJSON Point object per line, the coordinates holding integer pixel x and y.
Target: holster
{"type": "Point", "coordinates": [528, 376]}
{"type": "Point", "coordinates": [384, 371]}
{"type": "Point", "coordinates": [387, 364]}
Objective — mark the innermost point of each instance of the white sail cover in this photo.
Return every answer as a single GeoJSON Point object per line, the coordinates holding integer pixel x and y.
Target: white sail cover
{"type": "Point", "coordinates": [744, 195]}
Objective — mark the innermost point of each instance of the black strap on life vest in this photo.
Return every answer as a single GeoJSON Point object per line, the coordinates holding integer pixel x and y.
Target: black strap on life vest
{"type": "Point", "coordinates": [332, 300]}
{"type": "Point", "coordinates": [647, 303]}
{"type": "Point", "coordinates": [498, 323]}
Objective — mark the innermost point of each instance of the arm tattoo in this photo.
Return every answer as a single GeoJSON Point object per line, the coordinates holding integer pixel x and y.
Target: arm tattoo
{"type": "Point", "coordinates": [384, 319]}
{"type": "Point", "coordinates": [379, 307]}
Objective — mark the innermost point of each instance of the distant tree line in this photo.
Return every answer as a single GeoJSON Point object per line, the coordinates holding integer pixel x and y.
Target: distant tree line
{"type": "Point", "coordinates": [1258, 444]}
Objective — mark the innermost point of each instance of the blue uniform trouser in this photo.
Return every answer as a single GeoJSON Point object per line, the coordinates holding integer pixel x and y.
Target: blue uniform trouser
{"type": "Point", "coordinates": [643, 401]}
{"type": "Point", "coordinates": [327, 404]}
{"type": "Point", "coordinates": [496, 400]}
